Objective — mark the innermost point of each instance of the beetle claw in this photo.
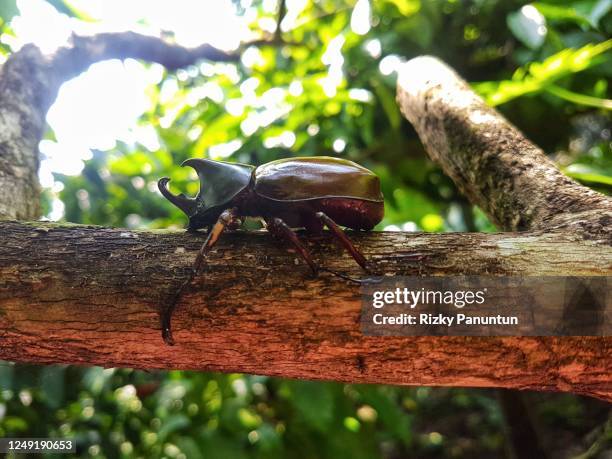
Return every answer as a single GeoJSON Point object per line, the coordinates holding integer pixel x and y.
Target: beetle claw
{"type": "Point", "coordinates": [187, 205]}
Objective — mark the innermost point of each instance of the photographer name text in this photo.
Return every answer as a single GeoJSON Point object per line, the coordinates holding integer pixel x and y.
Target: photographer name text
{"type": "Point", "coordinates": [409, 298]}
{"type": "Point", "coordinates": [441, 319]}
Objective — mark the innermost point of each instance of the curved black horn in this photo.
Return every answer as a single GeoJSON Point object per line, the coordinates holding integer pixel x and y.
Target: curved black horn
{"type": "Point", "coordinates": [187, 205]}
{"type": "Point", "coordinates": [201, 166]}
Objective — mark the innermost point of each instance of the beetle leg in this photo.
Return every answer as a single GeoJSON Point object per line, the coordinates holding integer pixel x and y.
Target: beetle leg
{"type": "Point", "coordinates": [279, 228]}
{"type": "Point", "coordinates": [227, 218]}
{"type": "Point", "coordinates": [343, 239]}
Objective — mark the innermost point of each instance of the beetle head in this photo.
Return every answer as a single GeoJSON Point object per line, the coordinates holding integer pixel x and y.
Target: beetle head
{"type": "Point", "coordinates": [220, 183]}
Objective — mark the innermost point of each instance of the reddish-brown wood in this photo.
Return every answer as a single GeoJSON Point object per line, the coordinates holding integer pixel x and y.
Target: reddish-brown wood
{"type": "Point", "coordinates": [87, 295]}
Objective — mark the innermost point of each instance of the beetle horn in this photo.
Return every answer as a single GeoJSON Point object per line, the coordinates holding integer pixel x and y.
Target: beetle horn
{"type": "Point", "coordinates": [202, 168]}
{"type": "Point", "coordinates": [187, 205]}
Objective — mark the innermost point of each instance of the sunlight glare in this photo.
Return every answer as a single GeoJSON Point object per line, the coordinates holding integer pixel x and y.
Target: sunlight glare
{"type": "Point", "coordinates": [334, 59]}
{"type": "Point", "coordinates": [103, 105]}
{"type": "Point", "coordinates": [41, 24]}
{"type": "Point", "coordinates": [360, 19]}
{"type": "Point", "coordinates": [100, 105]}
{"type": "Point", "coordinates": [193, 22]}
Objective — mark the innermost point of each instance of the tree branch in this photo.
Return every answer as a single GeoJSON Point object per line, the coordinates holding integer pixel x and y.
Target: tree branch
{"type": "Point", "coordinates": [86, 50]}
{"type": "Point", "coordinates": [29, 82]}
{"type": "Point", "coordinates": [491, 162]}
{"type": "Point", "coordinates": [91, 295]}
{"type": "Point", "coordinates": [282, 10]}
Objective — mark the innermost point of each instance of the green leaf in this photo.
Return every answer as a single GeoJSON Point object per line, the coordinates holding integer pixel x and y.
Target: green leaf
{"type": "Point", "coordinates": [561, 13]}
{"type": "Point", "coordinates": [589, 174]}
{"type": "Point", "coordinates": [407, 7]}
{"type": "Point", "coordinates": [219, 447]}
{"type": "Point", "coordinates": [579, 99]}
{"type": "Point", "coordinates": [528, 25]}
{"type": "Point", "coordinates": [15, 424]}
{"type": "Point", "coordinates": [172, 424]}
{"type": "Point", "coordinates": [132, 164]}
{"type": "Point", "coordinates": [314, 401]}
{"type": "Point", "coordinates": [8, 10]}
{"type": "Point", "coordinates": [95, 379]}
{"type": "Point", "coordinates": [387, 100]}
{"type": "Point", "coordinates": [6, 375]}
{"type": "Point", "coordinates": [52, 381]}
{"type": "Point", "coordinates": [536, 76]}
{"type": "Point", "coordinates": [389, 412]}
{"type": "Point", "coordinates": [189, 447]}
{"type": "Point", "coordinates": [599, 10]}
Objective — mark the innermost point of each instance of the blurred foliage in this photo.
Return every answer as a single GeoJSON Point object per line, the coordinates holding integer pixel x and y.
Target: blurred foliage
{"type": "Point", "coordinates": [129, 413]}
{"type": "Point", "coordinates": [8, 9]}
{"type": "Point", "coordinates": [328, 90]}
{"type": "Point", "coordinates": [540, 76]}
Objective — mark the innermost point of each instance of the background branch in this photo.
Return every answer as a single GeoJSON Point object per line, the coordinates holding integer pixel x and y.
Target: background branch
{"type": "Point", "coordinates": [86, 50]}
{"type": "Point", "coordinates": [282, 10]}
{"type": "Point", "coordinates": [489, 160]}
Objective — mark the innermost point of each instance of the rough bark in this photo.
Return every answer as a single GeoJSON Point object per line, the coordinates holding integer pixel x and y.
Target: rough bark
{"type": "Point", "coordinates": [23, 106]}
{"type": "Point", "coordinates": [490, 161]}
{"type": "Point", "coordinates": [89, 295]}
{"type": "Point", "coordinates": [29, 82]}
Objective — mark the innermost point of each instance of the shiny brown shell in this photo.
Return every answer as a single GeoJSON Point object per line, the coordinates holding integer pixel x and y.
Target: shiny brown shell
{"type": "Point", "coordinates": [317, 177]}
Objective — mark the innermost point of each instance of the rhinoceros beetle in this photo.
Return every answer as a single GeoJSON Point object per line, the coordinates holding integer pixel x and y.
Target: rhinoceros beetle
{"type": "Point", "coordinates": [306, 192]}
